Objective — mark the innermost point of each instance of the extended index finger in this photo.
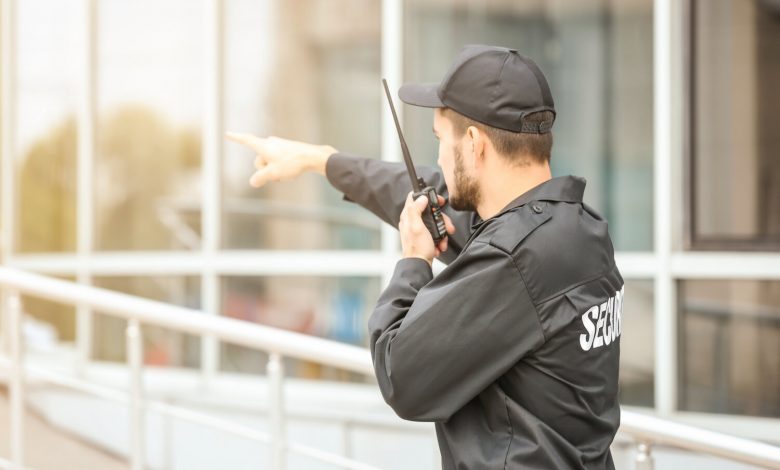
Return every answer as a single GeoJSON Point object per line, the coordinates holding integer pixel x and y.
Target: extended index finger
{"type": "Point", "coordinates": [249, 140]}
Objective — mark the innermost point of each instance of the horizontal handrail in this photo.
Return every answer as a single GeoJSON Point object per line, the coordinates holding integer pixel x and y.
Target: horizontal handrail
{"type": "Point", "coordinates": [192, 321]}
{"type": "Point", "coordinates": [643, 428]}
{"type": "Point", "coordinates": [658, 431]}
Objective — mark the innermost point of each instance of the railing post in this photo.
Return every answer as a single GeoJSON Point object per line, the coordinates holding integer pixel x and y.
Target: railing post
{"type": "Point", "coordinates": [136, 411]}
{"type": "Point", "coordinates": [346, 439]}
{"type": "Point", "coordinates": [16, 386]}
{"type": "Point", "coordinates": [275, 372]}
{"type": "Point", "coordinates": [644, 459]}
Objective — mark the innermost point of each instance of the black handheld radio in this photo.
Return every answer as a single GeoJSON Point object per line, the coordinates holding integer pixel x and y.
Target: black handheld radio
{"type": "Point", "coordinates": [432, 217]}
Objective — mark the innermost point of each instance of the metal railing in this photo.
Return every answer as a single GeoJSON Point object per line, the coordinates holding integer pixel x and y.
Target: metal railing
{"type": "Point", "coordinates": [137, 311]}
{"type": "Point", "coordinates": [646, 431]}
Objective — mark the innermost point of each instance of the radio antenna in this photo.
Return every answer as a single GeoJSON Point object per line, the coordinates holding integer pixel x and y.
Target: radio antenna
{"type": "Point", "coordinates": [416, 185]}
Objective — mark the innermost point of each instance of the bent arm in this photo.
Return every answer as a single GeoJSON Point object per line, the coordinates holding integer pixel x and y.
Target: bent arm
{"type": "Point", "coordinates": [437, 343]}
{"type": "Point", "coordinates": [380, 187]}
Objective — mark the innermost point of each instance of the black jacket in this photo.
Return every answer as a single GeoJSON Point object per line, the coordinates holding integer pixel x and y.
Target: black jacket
{"type": "Point", "coordinates": [513, 349]}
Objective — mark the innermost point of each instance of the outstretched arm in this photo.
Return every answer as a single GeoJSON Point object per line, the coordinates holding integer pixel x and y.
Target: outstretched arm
{"type": "Point", "coordinates": [380, 187]}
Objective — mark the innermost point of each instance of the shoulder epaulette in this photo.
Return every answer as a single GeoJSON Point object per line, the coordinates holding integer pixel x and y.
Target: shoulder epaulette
{"type": "Point", "coordinates": [519, 224]}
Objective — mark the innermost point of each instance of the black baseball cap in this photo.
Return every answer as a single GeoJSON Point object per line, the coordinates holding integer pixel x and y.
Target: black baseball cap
{"type": "Point", "coordinates": [493, 85]}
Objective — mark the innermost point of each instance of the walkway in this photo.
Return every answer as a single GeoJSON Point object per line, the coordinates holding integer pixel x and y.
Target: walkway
{"type": "Point", "coordinates": [47, 448]}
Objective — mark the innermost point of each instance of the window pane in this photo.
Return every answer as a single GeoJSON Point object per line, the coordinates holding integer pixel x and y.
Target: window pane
{"type": "Point", "coordinates": [335, 308]}
{"type": "Point", "coordinates": [150, 104]}
{"type": "Point", "coordinates": [598, 59]}
{"type": "Point", "coordinates": [45, 125]}
{"type": "Point", "coordinates": [162, 347]}
{"type": "Point", "coordinates": [300, 70]}
{"type": "Point", "coordinates": [637, 345]}
{"type": "Point", "coordinates": [48, 323]}
{"type": "Point", "coordinates": [730, 347]}
{"type": "Point", "coordinates": [736, 171]}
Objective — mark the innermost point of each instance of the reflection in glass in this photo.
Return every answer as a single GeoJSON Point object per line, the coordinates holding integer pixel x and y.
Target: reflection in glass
{"type": "Point", "coordinates": [150, 94]}
{"type": "Point", "coordinates": [335, 308]}
{"type": "Point", "coordinates": [162, 347]}
{"type": "Point", "coordinates": [598, 59]}
{"type": "Point", "coordinates": [736, 172]}
{"type": "Point", "coordinates": [730, 347]}
{"type": "Point", "coordinates": [637, 345]}
{"type": "Point", "coordinates": [300, 70]}
{"type": "Point", "coordinates": [45, 125]}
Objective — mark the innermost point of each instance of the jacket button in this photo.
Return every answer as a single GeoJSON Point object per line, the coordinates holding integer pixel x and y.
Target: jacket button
{"type": "Point", "coordinates": [536, 208]}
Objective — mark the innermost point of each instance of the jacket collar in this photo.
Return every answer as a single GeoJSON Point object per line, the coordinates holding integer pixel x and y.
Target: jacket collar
{"type": "Point", "coordinates": [560, 189]}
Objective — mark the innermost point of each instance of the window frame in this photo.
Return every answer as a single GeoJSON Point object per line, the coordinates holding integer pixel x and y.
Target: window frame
{"type": "Point", "coordinates": [692, 240]}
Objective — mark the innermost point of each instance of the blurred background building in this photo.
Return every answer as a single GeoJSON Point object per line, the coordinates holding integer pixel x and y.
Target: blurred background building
{"type": "Point", "coordinates": [119, 176]}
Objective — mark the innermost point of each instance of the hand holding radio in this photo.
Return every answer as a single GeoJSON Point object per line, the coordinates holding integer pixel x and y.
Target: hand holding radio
{"type": "Point", "coordinates": [416, 239]}
{"type": "Point", "coordinates": [280, 159]}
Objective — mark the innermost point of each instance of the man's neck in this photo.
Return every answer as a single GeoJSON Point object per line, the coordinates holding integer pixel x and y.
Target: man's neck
{"type": "Point", "coordinates": [507, 184]}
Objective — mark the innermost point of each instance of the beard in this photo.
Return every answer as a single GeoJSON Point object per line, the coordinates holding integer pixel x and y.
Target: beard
{"type": "Point", "coordinates": [466, 195]}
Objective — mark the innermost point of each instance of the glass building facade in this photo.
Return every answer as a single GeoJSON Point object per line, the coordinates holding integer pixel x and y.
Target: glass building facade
{"type": "Point", "coordinates": [115, 172]}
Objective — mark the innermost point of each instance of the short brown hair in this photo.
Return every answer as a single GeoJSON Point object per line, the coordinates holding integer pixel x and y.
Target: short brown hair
{"type": "Point", "coordinates": [515, 146]}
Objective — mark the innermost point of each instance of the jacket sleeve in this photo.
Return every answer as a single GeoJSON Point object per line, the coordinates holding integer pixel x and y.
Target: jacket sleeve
{"type": "Point", "coordinates": [381, 187]}
{"type": "Point", "coordinates": [437, 343]}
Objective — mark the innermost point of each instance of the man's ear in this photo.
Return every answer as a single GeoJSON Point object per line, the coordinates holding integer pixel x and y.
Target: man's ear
{"type": "Point", "coordinates": [476, 145]}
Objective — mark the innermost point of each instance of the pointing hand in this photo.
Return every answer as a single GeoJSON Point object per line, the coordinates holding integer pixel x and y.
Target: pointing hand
{"type": "Point", "coordinates": [280, 159]}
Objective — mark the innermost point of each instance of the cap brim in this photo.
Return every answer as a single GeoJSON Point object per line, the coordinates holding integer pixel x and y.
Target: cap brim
{"type": "Point", "coordinates": [421, 94]}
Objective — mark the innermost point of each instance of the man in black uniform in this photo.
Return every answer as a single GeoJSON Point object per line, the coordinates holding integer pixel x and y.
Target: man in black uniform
{"type": "Point", "coordinates": [512, 350]}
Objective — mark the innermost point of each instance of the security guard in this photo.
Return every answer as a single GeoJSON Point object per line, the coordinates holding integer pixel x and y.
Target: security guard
{"type": "Point", "coordinates": [513, 349]}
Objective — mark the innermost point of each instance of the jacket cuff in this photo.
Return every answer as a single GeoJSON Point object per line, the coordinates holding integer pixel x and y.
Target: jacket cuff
{"type": "Point", "coordinates": [416, 272]}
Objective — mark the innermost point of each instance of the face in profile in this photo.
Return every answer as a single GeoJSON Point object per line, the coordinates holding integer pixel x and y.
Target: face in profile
{"type": "Point", "coordinates": [463, 187]}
